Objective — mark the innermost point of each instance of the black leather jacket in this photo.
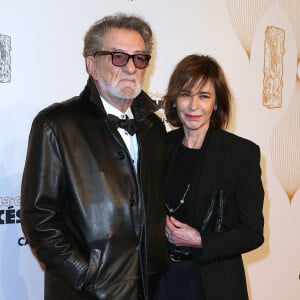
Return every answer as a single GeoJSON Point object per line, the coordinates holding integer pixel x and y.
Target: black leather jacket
{"type": "Point", "coordinates": [96, 225]}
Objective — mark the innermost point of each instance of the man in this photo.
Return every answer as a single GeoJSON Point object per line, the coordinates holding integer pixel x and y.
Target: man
{"type": "Point", "coordinates": [92, 193]}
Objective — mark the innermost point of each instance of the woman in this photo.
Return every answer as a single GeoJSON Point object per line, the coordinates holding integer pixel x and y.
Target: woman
{"type": "Point", "coordinates": [215, 194]}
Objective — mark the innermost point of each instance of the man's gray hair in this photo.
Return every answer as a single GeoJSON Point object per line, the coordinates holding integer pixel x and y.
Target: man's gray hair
{"type": "Point", "coordinates": [93, 40]}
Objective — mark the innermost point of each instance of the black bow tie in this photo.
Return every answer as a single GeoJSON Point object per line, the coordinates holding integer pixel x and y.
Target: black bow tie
{"type": "Point", "coordinates": [127, 124]}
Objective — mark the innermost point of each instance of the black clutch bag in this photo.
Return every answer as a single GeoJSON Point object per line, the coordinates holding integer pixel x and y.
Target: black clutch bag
{"type": "Point", "coordinates": [220, 214]}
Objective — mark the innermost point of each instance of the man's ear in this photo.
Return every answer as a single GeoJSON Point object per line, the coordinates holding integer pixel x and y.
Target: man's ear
{"type": "Point", "coordinates": [91, 66]}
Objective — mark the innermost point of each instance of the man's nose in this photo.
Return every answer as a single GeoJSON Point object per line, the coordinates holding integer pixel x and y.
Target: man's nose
{"type": "Point", "coordinates": [129, 67]}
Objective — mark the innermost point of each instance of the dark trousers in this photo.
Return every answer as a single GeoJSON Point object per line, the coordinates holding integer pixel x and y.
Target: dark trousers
{"type": "Point", "coordinates": [181, 281]}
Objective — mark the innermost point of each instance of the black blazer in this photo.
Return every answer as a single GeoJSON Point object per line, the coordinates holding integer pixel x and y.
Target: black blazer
{"type": "Point", "coordinates": [231, 173]}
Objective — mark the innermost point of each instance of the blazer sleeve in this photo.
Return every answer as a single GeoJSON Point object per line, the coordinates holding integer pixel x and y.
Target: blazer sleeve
{"type": "Point", "coordinates": [42, 194]}
{"type": "Point", "coordinates": [246, 233]}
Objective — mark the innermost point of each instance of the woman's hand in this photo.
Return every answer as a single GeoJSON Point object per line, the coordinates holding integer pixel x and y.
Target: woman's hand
{"type": "Point", "coordinates": [181, 234]}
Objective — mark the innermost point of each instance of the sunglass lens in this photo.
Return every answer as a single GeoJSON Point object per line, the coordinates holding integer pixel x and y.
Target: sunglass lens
{"type": "Point", "coordinates": [120, 59]}
{"type": "Point", "coordinates": [141, 61]}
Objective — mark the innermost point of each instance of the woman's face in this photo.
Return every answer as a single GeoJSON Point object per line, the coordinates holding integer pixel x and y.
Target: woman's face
{"type": "Point", "coordinates": [195, 107]}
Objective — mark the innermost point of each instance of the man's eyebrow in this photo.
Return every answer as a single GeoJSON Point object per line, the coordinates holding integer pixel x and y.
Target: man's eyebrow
{"type": "Point", "coordinates": [124, 51]}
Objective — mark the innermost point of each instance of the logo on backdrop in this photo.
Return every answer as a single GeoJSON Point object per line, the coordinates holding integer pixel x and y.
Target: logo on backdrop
{"type": "Point", "coordinates": [273, 67]}
{"type": "Point", "coordinates": [157, 98]}
{"type": "Point", "coordinates": [5, 59]}
{"type": "Point", "coordinates": [9, 210]}
{"type": "Point", "coordinates": [10, 214]}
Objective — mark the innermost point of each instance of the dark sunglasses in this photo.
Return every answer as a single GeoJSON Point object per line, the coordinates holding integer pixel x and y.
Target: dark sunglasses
{"type": "Point", "coordinates": [120, 59]}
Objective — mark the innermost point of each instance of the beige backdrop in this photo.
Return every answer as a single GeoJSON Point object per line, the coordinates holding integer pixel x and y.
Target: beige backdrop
{"type": "Point", "coordinates": [258, 44]}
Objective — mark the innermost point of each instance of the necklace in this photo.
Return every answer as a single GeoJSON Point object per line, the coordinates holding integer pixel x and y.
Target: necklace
{"type": "Point", "coordinates": [181, 201]}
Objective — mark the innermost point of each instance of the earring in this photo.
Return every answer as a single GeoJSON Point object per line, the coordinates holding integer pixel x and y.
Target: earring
{"type": "Point", "coordinates": [215, 106]}
{"type": "Point", "coordinates": [174, 105]}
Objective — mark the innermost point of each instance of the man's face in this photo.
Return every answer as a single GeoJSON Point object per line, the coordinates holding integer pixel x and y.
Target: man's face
{"type": "Point", "coordinates": [118, 83]}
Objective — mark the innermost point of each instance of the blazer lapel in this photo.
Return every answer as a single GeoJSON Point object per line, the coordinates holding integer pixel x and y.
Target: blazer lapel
{"type": "Point", "coordinates": [207, 178]}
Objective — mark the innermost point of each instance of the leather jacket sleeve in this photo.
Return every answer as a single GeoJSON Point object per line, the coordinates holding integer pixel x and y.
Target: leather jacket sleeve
{"type": "Point", "coordinates": [42, 219]}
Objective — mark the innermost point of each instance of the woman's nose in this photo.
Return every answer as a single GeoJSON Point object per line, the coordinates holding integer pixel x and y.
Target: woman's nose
{"type": "Point", "coordinates": [194, 102]}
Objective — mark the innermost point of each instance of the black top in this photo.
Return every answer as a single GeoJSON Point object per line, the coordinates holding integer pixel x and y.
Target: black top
{"type": "Point", "coordinates": [181, 177]}
{"type": "Point", "coordinates": [181, 183]}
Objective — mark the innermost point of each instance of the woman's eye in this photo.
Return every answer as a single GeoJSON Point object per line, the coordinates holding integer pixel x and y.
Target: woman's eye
{"type": "Point", "coordinates": [204, 96]}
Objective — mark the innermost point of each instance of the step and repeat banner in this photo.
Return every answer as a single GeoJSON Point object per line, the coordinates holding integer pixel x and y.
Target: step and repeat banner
{"type": "Point", "coordinates": [257, 42]}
